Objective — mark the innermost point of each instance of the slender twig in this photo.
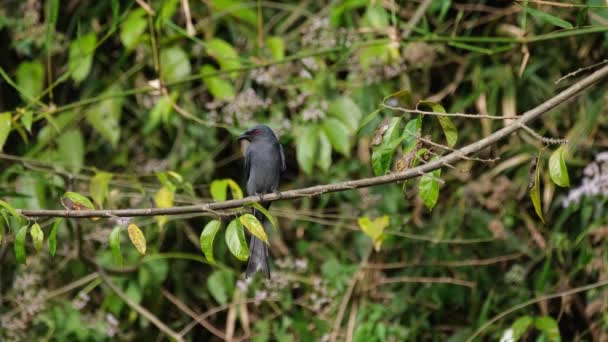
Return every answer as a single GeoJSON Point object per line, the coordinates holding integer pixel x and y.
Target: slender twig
{"type": "Point", "coordinates": [456, 263]}
{"type": "Point", "coordinates": [456, 155]}
{"type": "Point", "coordinates": [578, 71]}
{"type": "Point", "coordinates": [415, 18]}
{"type": "Point", "coordinates": [184, 308]}
{"type": "Point", "coordinates": [423, 280]}
{"type": "Point", "coordinates": [140, 309]}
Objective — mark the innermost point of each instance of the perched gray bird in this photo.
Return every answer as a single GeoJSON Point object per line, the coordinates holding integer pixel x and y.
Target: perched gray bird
{"type": "Point", "coordinates": [264, 162]}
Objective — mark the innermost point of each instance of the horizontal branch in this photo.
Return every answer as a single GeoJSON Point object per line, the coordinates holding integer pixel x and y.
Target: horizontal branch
{"type": "Point", "coordinates": [456, 155]}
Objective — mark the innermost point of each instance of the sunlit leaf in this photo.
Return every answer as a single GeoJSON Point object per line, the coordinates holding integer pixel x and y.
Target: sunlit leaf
{"type": "Point", "coordinates": [306, 146]}
{"type": "Point", "coordinates": [53, 236]}
{"type": "Point", "coordinates": [207, 237]}
{"type": "Point", "coordinates": [133, 28]}
{"type": "Point", "coordinates": [337, 133]}
{"type": "Point", "coordinates": [224, 53]}
{"type": "Point", "coordinates": [520, 326]}
{"type": "Point", "coordinates": [166, 12]}
{"type": "Point", "coordinates": [75, 201]}
{"type": "Point", "coordinates": [98, 187]}
{"type": "Point", "coordinates": [37, 236]}
{"type": "Point", "coordinates": [236, 9]}
{"type": "Point", "coordinates": [218, 87]}
{"type": "Point", "coordinates": [254, 226]}
{"type": "Point", "coordinates": [428, 188]}
{"type": "Point", "coordinates": [347, 111]}
{"type": "Point", "coordinates": [535, 193]}
{"type": "Point", "coordinates": [548, 326]}
{"type": "Point", "coordinates": [175, 64]}
{"type": "Point", "coordinates": [219, 188]}
{"type": "Point", "coordinates": [5, 128]}
{"type": "Point", "coordinates": [276, 45]}
{"type": "Point", "coordinates": [20, 245]}
{"type": "Point", "coordinates": [235, 239]}
{"type": "Point", "coordinates": [30, 79]}
{"type": "Point", "coordinates": [137, 238]}
{"type": "Point", "coordinates": [557, 168]}
{"type": "Point", "coordinates": [80, 56]}
{"type": "Point", "coordinates": [260, 208]}
{"type": "Point", "coordinates": [382, 154]}
{"type": "Point", "coordinates": [10, 209]}
{"type": "Point", "coordinates": [163, 199]}
{"type": "Point", "coordinates": [114, 242]}
{"type": "Point", "coordinates": [448, 127]}
{"type": "Point", "coordinates": [374, 229]}
{"type": "Point", "coordinates": [26, 119]}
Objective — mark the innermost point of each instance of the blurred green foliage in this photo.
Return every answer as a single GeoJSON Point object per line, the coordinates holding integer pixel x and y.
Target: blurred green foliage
{"type": "Point", "coordinates": [111, 104]}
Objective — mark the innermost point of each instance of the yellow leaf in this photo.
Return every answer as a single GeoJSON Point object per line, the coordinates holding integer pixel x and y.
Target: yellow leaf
{"type": "Point", "coordinates": [254, 226]}
{"type": "Point", "coordinates": [374, 229]}
{"type": "Point", "coordinates": [163, 199]}
{"type": "Point", "coordinates": [137, 238]}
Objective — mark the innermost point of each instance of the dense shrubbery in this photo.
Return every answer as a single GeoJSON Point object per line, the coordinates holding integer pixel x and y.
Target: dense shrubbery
{"type": "Point", "coordinates": [137, 104]}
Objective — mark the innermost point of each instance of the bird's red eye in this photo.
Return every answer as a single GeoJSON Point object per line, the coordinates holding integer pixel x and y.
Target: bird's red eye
{"type": "Point", "coordinates": [256, 132]}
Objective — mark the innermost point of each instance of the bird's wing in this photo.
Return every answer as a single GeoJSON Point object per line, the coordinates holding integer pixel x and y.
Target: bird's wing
{"type": "Point", "coordinates": [283, 166]}
{"type": "Point", "coordinates": [247, 164]}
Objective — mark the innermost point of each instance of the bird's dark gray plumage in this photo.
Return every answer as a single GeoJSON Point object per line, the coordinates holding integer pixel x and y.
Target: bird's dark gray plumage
{"type": "Point", "coordinates": [264, 162]}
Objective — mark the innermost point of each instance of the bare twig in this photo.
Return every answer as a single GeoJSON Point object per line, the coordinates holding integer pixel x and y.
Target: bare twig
{"type": "Point", "coordinates": [459, 154]}
{"type": "Point", "coordinates": [144, 5]}
{"type": "Point", "coordinates": [415, 18]}
{"type": "Point", "coordinates": [456, 263]}
{"type": "Point", "coordinates": [423, 280]}
{"type": "Point", "coordinates": [578, 71]}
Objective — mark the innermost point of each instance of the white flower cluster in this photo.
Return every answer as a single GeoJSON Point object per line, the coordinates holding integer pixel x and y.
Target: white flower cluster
{"type": "Point", "coordinates": [595, 181]}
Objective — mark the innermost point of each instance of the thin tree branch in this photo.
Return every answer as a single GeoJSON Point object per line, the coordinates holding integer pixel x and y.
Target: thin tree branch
{"type": "Point", "coordinates": [459, 154]}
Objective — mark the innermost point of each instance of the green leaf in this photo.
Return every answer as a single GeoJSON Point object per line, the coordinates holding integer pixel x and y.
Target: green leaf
{"type": "Point", "coordinates": [219, 189]}
{"type": "Point", "coordinates": [98, 187]}
{"type": "Point", "coordinates": [218, 87]}
{"type": "Point", "coordinates": [114, 242]}
{"type": "Point", "coordinates": [30, 79]}
{"type": "Point", "coordinates": [20, 245]}
{"type": "Point", "coordinates": [374, 229]}
{"type": "Point", "coordinates": [5, 128]}
{"type": "Point", "coordinates": [254, 226]}
{"type": "Point", "coordinates": [371, 116]}
{"type": "Point", "coordinates": [80, 57]}
{"type": "Point", "coordinates": [161, 111]}
{"type": "Point", "coordinates": [520, 326]}
{"type": "Point", "coordinates": [410, 134]}
{"type": "Point", "coordinates": [137, 238]}
{"type": "Point", "coordinates": [428, 188]}
{"type": "Point", "coordinates": [224, 53]}
{"type": "Point", "coordinates": [535, 194]}
{"type": "Point", "coordinates": [220, 285]}
{"type": "Point", "coordinates": [175, 64]}
{"type": "Point", "coordinates": [104, 116]}
{"type": "Point", "coordinates": [75, 201]}
{"type": "Point", "coordinates": [403, 97]}
{"type": "Point", "coordinates": [382, 155]}
{"type": "Point", "coordinates": [207, 237]}
{"type": "Point", "coordinates": [306, 146]}
{"type": "Point", "coordinates": [236, 9]}
{"type": "Point", "coordinates": [53, 236]}
{"type": "Point", "coordinates": [337, 133]}
{"type": "Point", "coordinates": [11, 210]}
{"type": "Point", "coordinates": [277, 47]}
{"type": "Point", "coordinates": [26, 119]}
{"type": "Point", "coordinates": [376, 17]}
{"type": "Point", "coordinates": [37, 236]}
{"type": "Point", "coordinates": [448, 127]}
{"type": "Point", "coordinates": [549, 328]}
{"type": "Point", "coordinates": [557, 168]}
{"type": "Point", "coordinates": [323, 159]}
{"type": "Point", "coordinates": [166, 12]}
{"type": "Point", "coordinates": [345, 109]}
{"type": "Point", "coordinates": [70, 147]}
{"type": "Point", "coordinates": [548, 18]}
{"type": "Point", "coordinates": [235, 239]}
{"type": "Point", "coordinates": [133, 28]}
{"type": "Point", "coordinates": [259, 207]}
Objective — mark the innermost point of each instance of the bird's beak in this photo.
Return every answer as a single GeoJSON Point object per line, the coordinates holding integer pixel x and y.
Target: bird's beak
{"type": "Point", "coordinates": [244, 136]}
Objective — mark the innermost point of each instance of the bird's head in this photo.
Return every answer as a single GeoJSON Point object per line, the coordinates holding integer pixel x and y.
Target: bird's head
{"type": "Point", "coordinates": [258, 133]}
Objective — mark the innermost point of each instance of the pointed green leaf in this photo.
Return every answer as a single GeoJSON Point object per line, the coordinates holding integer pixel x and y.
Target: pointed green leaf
{"type": "Point", "coordinates": [371, 116]}
{"type": "Point", "coordinates": [266, 213]}
{"type": "Point", "coordinates": [26, 119]}
{"type": "Point", "coordinates": [207, 237]}
{"type": "Point", "coordinates": [235, 239]}
{"type": "Point", "coordinates": [324, 152]}
{"type": "Point", "coordinates": [549, 328]}
{"type": "Point", "coordinates": [217, 86]}
{"type": "Point", "coordinates": [557, 168]}
{"type": "Point", "coordinates": [133, 28]}
{"type": "Point", "coordinates": [5, 128]}
{"type": "Point", "coordinates": [80, 57]}
{"type": "Point", "coordinates": [37, 236]}
{"type": "Point", "coordinates": [306, 146]}
{"type": "Point", "coordinates": [337, 133]}
{"type": "Point", "coordinates": [235, 189]}
{"type": "Point", "coordinates": [382, 155]}
{"type": "Point", "coordinates": [11, 210]}
{"type": "Point", "coordinates": [254, 226]}
{"type": "Point", "coordinates": [160, 112]}
{"type": "Point", "coordinates": [99, 187]}
{"type": "Point", "coordinates": [30, 79]}
{"type": "Point", "coordinates": [374, 229]}
{"type": "Point", "coordinates": [448, 127]}
{"type": "Point", "coordinates": [235, 9]}
{"type": "Point", "coordinates": [53, 236]}
{"type": "Point", "coordinates": [548, 18]}
{"type": "Point", "coordinates": [114, 242]}
{"type": "Point", "coordinates": [75, 201]}
{"type": "Point", "coordinates": [428, 188]}
{"type": "Point", "coordinates": [20, 245]}
{"type": "Point", "coordinates": [520, 326]}
{"type": "Point", "coordinates": [535, 194]}
{"type": "Point", "coordinates": [224, 53]}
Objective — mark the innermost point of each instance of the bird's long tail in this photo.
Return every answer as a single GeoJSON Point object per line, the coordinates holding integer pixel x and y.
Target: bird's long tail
{"type": "Point", "coordinates": [258, 258]}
